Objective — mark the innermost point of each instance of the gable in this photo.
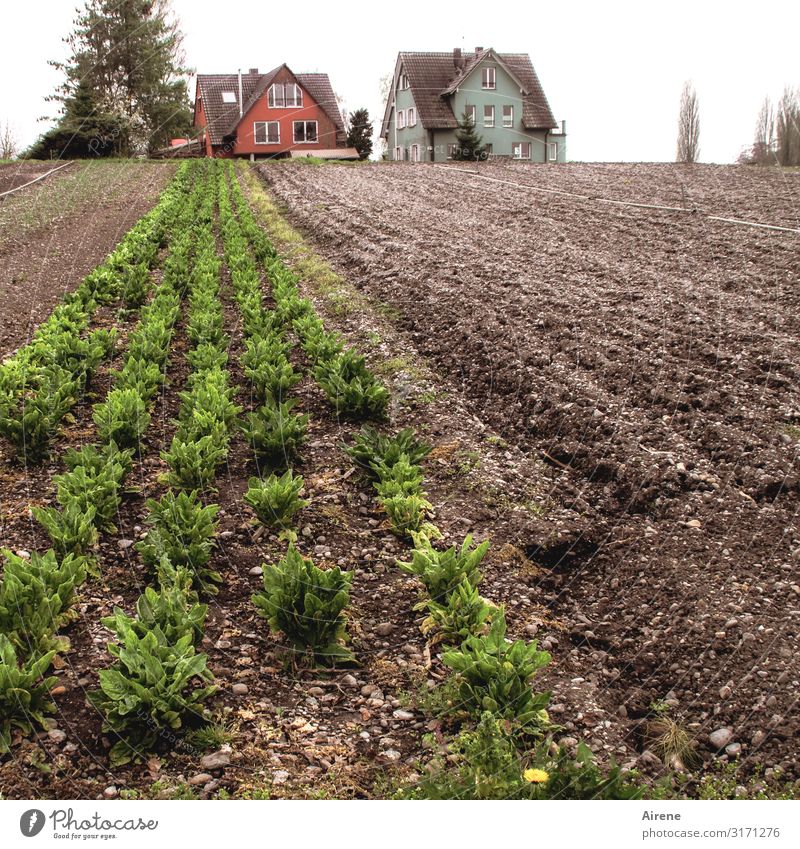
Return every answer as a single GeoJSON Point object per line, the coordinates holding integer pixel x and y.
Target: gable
{"type": "Point", "coordinates": [433, 77]}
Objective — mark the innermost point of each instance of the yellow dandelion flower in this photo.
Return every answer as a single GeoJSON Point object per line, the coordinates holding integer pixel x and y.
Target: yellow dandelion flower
{"type": "Point", "coordinates": [536, 776]}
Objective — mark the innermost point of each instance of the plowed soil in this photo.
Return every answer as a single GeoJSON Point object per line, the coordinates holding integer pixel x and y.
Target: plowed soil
{"type": "Point", "coordinates": [55, 232]}
{"type": "Point", "coordinates": [649, 358]}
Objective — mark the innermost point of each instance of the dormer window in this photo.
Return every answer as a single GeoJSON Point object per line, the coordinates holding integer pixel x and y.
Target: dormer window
{"type": "Point", "coordinates": [282, 95]}
{"type": "Point", "coordinates": [488, 79]}
{"type": "Point", "coordinates": [229, 97]}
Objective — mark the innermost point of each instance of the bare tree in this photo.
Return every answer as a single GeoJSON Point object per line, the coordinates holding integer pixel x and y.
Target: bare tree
{"type": "Point", "coordinates": [9, 143]}
{"type": "Point", "coordinates": [787, 127]}
{"type": "Point", "coordinates": [688, 125]}
{"type": "Point", "coordinates": [764, 142]}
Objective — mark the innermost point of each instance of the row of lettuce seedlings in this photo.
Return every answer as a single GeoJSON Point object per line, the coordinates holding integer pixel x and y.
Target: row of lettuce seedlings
{"type": "Point", "coordinates": [490, 681]}
{"type": "Point", "coordinates": [38, 594]}
{"type": "Point", "coordinates": [299, 600]}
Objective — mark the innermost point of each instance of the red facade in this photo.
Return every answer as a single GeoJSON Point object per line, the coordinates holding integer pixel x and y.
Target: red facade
{"type": "Point", "coordinates": [270, 129]}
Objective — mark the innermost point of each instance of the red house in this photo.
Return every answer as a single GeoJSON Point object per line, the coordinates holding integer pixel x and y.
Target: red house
{"type": "Point", "coordinates": [277, 114]}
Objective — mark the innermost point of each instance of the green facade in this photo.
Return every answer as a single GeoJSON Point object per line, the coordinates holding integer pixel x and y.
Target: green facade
{"type": "Point", "coordinates": [542, 145]}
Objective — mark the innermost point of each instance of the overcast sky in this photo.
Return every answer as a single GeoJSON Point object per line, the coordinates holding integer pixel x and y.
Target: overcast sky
{"type": "Point", "coordinates": [613, 70]}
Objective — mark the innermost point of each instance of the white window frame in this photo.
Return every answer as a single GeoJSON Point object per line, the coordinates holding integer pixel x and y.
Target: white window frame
{"type": "Point", "coordinates": [315, 140]}
{"type": "Point", "coordinates": [520, 146]}
{"type": "Point", "coordinates": [489, 77]}
{"type": "Point", "coordinates": [401, 119]}
{"type": "Point", "coordinates": [411, 117]}
{"type": "Point", "coordinates": [398, 154]}
{"type": "Point", "coordinates": [488, 121]}
{"type": "Point", "coordinates": [451, 149]}
{"type": "Point", "coordinates": [272, 101]}
{"type": "Point", "coordinates": [415, 153]}
{"type": "Point", "coordinates": [266, 125]}
{"type": "Point", "coordinates": [402, 82]}
{"type": "Point", "coordinates": [552, 151]}
{"type": "Point", "coordinates": [473, 112]}
{"type": "Point", "coordinates": [508, 120]}
{"type": "Point", "coordinates": [229, 97]}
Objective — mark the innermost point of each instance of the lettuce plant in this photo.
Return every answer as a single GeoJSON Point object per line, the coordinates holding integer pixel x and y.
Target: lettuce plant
{"type": "Point", "coordinates": [442, 571]}
{"type": "Point", "coordinates": [494, 674]}
{"type": "Point", "coordinates": [122, 417]}
{"type": "Point", "coordinates": [307, 605]}
{"type": "Point", "coordinates": [151, 690]}
{"type": "Point", "coordinates": [276, 499]}
{"type": "Point", "coordinates": [71, 530]}
{"type": "Point", "coordinates": [373, 451]}
{"type": "Point", "coordinates": [275, 433]}
{"type": "Point", "coordinates": [351, 387]}
{"type": "Point", "coordinates": [24, 692]}
{"type": "Point", "coordinates": [36, 599]}
{"type": "Point", "coordinates": [183, 530]}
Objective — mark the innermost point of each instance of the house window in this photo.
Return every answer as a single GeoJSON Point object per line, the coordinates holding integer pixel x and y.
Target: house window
{"type": "Point", "coordinates": [415, 153]}
{"type": "Point", "coordinates": [229, 97]}
{"type": "Point", "coordinates": [412, 117]}
{"type": "Point", "coordinates": [508, 116]}
{"type": "Point", "coordinates": [451, 150]}
{"type": "Point", "coordinates": [267, 132]}
{"type": "Point", "coordinates": [488, 78]}
{"type": "Point", "coordinates": [488, 116]}
{"type": "Point", "coordinates": [401, 119]}
{"type": "Point", "coordinates": [488, 150]}
{"type": "Point", "coordinates": [305, 132]}
{"type": "Point", "coordinates": [520, 150]}
{"type": "Point", "coordinates": [403, 82]}
{"type": "Point", "coordinates": [276, 97]}
{"type": "Point", "coordinates": [470, 111]}
{"type": "Point", "coordinates": [398, 154]}
{"type": "Point", "coordinates": [293, 94]}
{"type": "Point", "coordinates": [553, 148]}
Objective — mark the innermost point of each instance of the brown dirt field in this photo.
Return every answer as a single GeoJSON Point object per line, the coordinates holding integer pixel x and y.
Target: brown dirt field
{"type": "Point", "coordinates": [55, 232]}
{"type": "Point", "coordinates": [13, 174]}
{"type": "Point", "coordinates": [650, 359]}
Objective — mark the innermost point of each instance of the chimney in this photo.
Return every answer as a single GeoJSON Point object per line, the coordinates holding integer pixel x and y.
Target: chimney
{"type": "Point", "coordinates": [253, 70]}
{"type": "Point", "coordinates": [564, 128]}
{"type": "Point", "coordinates": [479, 50]}
{"type": "Point", "coordinates": [457, 57]}
{"type": "Point", "coordinates": [240, 92]}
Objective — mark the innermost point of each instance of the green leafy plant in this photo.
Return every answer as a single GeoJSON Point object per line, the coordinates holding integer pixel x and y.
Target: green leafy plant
{"type": "Point", "coordinates": [122, 417]}
{"type": "Point", "coordinates": [150, 691]}
{"type": "Point", "coordinates": [463, 613]}
{"type": "Point", "coordinates": [193, 463]}
{"type": "Point", "coordinates": [307, 605]}
{"type": "Point", "coordinates": [441, 572]}
{"type": "Point", "coordinates": [276, 499]}
{"type": "Point", "coordinates": [406, 512]}
{"type": "Point", "coordinates": [36, 599]}
{"type": "Point", "coordinates": [84, 489]}
{"type": "Point", "coordinates": [351, 387]}
{"type": "Point", "coordinates": [173, 608]}
{"type": "Point", "coordinates": [107, 458]}
{"type": "Point", "coordinates": [494, 674]}
{"type": "Point", "coordinates": [135, 285]}
{"type": "Point", "coordinates": [275, 433]}
{"type": "Point", "coordinates": [373, 451]}
{"type": "Point", "coordinates": [71, 530]}
{"type": "Point", "coordinates": [24, 692]}
{"type": "Point", "coordinates": [182, 530]}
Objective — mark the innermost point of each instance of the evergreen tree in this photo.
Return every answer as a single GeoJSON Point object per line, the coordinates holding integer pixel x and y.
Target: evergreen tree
{"type": "Point", "coordinates": [359, 133]}
{"type": "Point", "coordinates": [128, 54]}
{"type": "Point", "coordinates": [469, 145]}
{"type": "Point", "coordinates": [84, 130]}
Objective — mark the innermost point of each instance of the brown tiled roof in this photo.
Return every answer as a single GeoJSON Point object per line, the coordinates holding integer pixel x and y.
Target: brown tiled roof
{"type": "Point", "coordinates": [434, 76]}
{"type": "Point", "coordinates": [223, 118]}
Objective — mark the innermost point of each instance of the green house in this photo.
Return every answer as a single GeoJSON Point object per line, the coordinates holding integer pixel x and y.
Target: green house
{"type": "Point", "coordinates": [431, 91]}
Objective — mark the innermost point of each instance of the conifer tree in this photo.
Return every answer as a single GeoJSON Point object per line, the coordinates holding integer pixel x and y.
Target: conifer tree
{"type": "Point", "coordinates": [359, 133]}
{"type": "Point", "coordinates": [469, 145]}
